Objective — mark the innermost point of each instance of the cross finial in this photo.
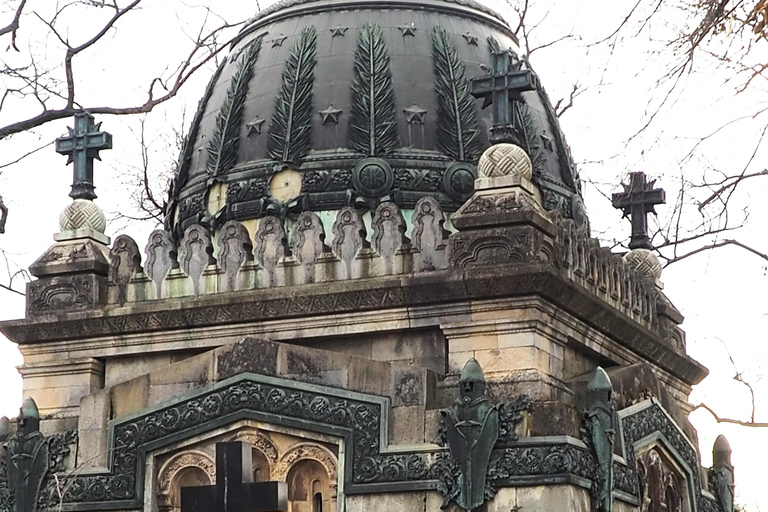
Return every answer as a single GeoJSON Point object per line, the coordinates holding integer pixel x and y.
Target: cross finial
{"type": "Point", "coordinates": [503, 89]}
{"type": "Point", "coordinates": [637, 201]}
{"type": "Point", "coordinates": [81, 146]}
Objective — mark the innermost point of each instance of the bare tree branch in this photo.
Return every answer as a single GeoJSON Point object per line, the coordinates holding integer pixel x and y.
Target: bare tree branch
{"type": "Point", "coordinates": [205, 48]}
{"type": "Point", "coordinates": [13, 26]}
{"type": "Point", "coordinates": [756, 424]}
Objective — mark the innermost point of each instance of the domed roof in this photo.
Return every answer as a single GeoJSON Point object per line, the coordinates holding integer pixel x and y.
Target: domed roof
{"type": "Point", "coordinates": [323, 104]}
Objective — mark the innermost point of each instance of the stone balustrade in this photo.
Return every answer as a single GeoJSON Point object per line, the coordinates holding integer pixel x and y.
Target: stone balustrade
{"type": "Point", "coordinates": [280, 253]}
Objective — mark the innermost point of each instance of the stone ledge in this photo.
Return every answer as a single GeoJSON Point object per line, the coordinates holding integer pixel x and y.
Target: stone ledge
{"type": "Point", "coordinates": [362, 295]}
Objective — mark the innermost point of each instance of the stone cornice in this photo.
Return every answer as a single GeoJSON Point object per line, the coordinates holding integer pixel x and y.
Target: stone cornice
{"type": "Point", "coordinates": [381, 293]}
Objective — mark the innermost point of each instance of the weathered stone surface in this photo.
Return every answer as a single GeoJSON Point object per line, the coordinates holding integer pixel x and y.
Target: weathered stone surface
{"type": "Point", "coordinates": [388, 234]}
{"type": "Point", "coordinates": [130, 397]}
{"type": "Point", "coordinates": [235, 248]}
{"type": "Point", "coordinates": [95, 413]}
{"type": "Point", "coordinates": [80, 255]}
{"type": "Point", "coordinates": [161, 258]}
{"type": "Point", "coordinates": [406, 425]}
{"type": "Point", "coordinates": [270, 247]}
{"type": "Point", "coordinates": [125, 262]}
{"type": "Point", "coordinates": [410, 501]}
{"type": "Point", "coordinates": [410, 386]}
{"type": "Point", "coordinates": [246, 356]}
{"type": "Point", "coordinates": [349, 238]}
{"type": "Point", "coordinates": [196, 255]}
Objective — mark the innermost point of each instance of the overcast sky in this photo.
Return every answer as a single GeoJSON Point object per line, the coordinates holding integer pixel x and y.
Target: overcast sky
{"type": "Point", "coordinates": [721, 293]}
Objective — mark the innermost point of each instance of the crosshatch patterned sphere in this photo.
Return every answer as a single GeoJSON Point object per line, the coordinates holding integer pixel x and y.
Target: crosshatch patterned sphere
{"type": "Point", "coordinates": [82, 213]}
{"type": "Point", "coordinates": [505, 160]}
{"type": "Point", "coordinates": [323, 86]}
{"type": "Point", "coordinates": [645, 262]}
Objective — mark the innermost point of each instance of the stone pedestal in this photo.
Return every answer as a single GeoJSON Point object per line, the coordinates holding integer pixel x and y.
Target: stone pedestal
{"type": "Point", "coordinates": [502, 224]}
{"type": "Point", "coordinates": [71, 274]}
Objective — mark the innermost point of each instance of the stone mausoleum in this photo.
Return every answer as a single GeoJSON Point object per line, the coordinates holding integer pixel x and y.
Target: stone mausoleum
{"type": "Point", "coordinates": [376, 274]}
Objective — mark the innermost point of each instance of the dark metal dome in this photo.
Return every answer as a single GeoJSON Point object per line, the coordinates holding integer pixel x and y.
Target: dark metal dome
{"type": "Point", "coordinates": [323, 104]}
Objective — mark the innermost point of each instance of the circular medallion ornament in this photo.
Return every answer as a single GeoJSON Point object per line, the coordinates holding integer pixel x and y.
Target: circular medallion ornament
{"type": "Point", "coordinates": [372, 177]}
{"type": "Point", "coordinates": [459, 180]}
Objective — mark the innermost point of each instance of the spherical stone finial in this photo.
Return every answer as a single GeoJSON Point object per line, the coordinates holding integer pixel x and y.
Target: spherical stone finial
{"type": "Point", "coordinates": [505, 160]}
{"type": "Point", "coordinates": [645, 262]}
{"type": "Point", "coordinates": [82, 213]}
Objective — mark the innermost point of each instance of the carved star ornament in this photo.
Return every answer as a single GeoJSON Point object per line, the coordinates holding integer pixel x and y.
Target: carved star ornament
{"type": "Point", "coordinates": [330, 115]}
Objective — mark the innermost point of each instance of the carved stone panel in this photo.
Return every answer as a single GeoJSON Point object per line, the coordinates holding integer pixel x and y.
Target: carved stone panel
{"type": "Point", "coordinates": [183, 469]}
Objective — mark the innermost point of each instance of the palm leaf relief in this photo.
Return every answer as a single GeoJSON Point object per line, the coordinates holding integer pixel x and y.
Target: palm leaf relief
{"type": "Point", "coordinates": [290, 130]}
{"type": "Point", "coordinates": [188, 147]}
{"type": "Point", "coordinates": [372, 128]}
{"type": "Point", "coordinates": [457, 129]}
{"type": "Point", "coordinates": [223, 145]}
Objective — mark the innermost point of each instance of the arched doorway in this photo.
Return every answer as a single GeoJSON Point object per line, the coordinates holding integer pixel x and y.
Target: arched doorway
{"type": "Point", "coordinates": [309, 487]}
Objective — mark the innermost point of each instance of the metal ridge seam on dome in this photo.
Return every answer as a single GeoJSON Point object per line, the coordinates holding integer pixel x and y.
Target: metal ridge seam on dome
{"type": "Point", "coordinates": [284, 4]}
{"type": "Point", "coordinates": [482, 12]}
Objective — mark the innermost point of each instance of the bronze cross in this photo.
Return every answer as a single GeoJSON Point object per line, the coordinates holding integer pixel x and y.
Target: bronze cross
{"type": "Point", "coordinates": [501, 88]}
{"type": "Point", "coordinates": [234, 491]}
{"type": "Point", "coordinates": [637, 201]}
{"type": "Point", "coordinates": [81, 146]}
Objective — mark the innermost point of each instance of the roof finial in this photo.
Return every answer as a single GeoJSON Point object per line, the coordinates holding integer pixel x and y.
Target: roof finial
{"type": "Point", "coordinates": [81, 146]}
{"type": "Point", "coordinates": [637, 201]}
